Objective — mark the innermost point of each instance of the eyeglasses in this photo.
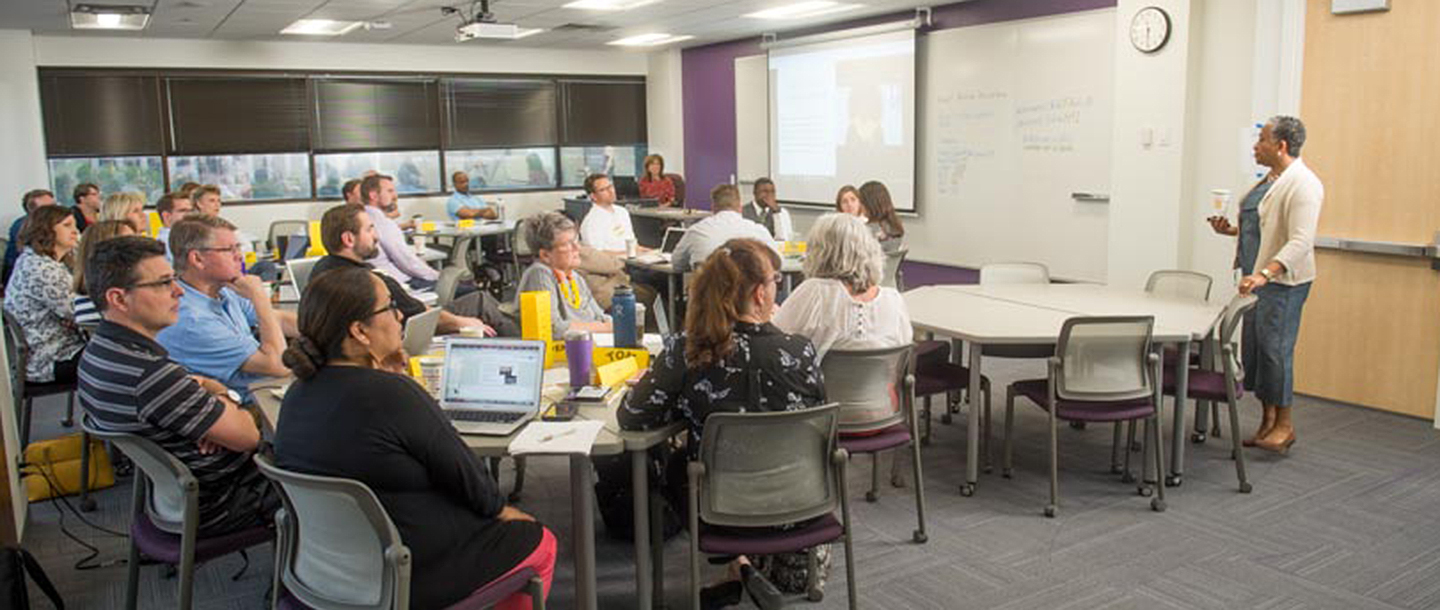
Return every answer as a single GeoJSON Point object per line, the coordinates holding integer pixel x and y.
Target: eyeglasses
{"type": "Point", "coordinates": [167, 282]}
{"type": "Point", "coordinates": [235, 249]}
{"type": "Point", "coordinates": [390, 307]}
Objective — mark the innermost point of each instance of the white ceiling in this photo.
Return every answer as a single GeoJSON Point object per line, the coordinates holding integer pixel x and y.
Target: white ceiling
{"type": "Point", "coordinates": [420, 21]}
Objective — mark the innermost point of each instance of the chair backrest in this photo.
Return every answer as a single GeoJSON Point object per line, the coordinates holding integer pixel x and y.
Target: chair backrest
{"type": "Point", "coordinates": [300, 272]}
{"type": "Point", "coordinates": [520, 245]}
{"type": "Point", "coordinates": [286, 228]}
{"type": "Point", "coordinates": [169, 479]}
{"type": "Point", "coordinates": [338, 547]}
{"type": "Point", "coordinates": [1180, 284]}
{"type": "Point", "coordinates": [447, 283]}
{"type": "Point", "coordinates": [1230, 322]}
{"type": "Point", "coordinates": [1105, 358]}
{"type": "Point", "coordinates": [679, 182]}
{"type": "Point", "coordinates": [893, 259]}
{"type": "Point", "coordinates": [770, 468]}
{"type": "Point", "coordinates": [873, 386]}
{"type": "Point", "coordinates": [16, 354]}
{"type": "Point", "coordinates": [1014, 273]}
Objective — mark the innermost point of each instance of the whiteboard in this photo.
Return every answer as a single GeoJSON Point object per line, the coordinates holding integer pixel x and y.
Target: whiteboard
{"type": "Point", "coordinates": [1016, 117]}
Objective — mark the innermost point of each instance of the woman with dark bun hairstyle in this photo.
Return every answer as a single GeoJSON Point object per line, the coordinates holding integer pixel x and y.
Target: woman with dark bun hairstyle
{"type": "Point", "coordinates": [352, 413]}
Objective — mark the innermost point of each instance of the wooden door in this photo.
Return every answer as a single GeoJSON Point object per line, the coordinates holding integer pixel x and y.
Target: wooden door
{"type": "Point", "coordinates": [1371, 104]}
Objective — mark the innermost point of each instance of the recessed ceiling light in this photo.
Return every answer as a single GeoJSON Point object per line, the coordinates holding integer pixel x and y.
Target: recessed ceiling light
{"type": "Point", "coordinates": [802, 10]}
{"type": "Point", "coordinates": [609, 5]}
{"type": "Point", "coordinates": [320, 27]}
{"type": "Point", "coordinates": [648, 40]}
{"type": "Point", "coordinates": [98, 17]}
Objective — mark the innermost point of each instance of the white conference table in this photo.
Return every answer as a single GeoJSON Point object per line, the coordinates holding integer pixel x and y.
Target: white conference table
{"type": "Point", "coordinates": [612, 440]}
{"type": "Point", "coordinates": [1034, 313]}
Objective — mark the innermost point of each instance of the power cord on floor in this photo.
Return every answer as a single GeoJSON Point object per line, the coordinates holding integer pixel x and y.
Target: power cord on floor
{"type": "Point", "coordinates": [57, 500]}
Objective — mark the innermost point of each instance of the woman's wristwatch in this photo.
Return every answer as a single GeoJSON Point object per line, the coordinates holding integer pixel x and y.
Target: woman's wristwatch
{"type": "Point", "coordinates": [1265, 271]}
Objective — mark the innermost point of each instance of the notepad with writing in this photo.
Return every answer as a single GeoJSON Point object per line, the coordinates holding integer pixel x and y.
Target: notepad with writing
{"type": "Point", "coordinates": [552, 437]}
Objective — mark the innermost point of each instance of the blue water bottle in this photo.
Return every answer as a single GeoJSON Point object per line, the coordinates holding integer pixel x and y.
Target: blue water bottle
{"type": "Point", "coordinates": [622, 314]}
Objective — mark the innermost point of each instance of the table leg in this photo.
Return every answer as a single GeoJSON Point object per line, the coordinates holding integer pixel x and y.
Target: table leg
{"type": "Point", "coordinates": [1202, 407]}
{"type": "Point", "coordinates": [657, 550]}
{"type": "Point", "coordinates": [972, 441]}
{"type": "Point", "coordinates": [582, 508]}
{"type": "Point", "coordinates": [1177, 436]}
{"type": "Point", "coordinates": [676, 324]}
{"type": "Point", "coordinates": [640, 487]}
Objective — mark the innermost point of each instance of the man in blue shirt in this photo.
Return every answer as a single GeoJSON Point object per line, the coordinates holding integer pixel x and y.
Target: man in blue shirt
{"type": "Point", "coordinates": [463, 205]}
{"type": "Point", "coordinates": [220, 307]}
{"type": "Point", "coordinates": [31, 200]}
{"type": "Point", "coordinates": [172, 207]}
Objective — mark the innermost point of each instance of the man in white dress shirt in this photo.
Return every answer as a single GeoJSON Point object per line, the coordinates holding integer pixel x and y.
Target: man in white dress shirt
{"type": "Point", "coordinates": [727, 223]}
{"type": "Point", "coordinates": [606, 226]}
{"type": "Point", "coordinates": [397, 258]}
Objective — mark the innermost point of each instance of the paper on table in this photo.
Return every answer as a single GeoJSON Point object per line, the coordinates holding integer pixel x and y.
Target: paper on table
{"type": "Point", "coordinates": [554, 437]}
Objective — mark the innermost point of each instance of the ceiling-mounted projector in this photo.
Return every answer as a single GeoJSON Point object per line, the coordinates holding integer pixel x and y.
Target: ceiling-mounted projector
{"type": "Point", "coordinates": [479, 22]}
{"type": "Point", "coordinates": [481, 29]}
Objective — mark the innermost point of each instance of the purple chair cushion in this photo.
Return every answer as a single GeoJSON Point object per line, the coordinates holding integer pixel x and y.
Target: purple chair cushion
{"type": "Point", "coordinates": [880, 440]}
{"type": "Point", "coordinates": [937, 377]}
{"type": "Point", "coordinates": [1203, 385]}
{"type": "Point", "coordinates": [766, 540]}
{"type": "Point", "coordinates": [484, 597]}
{"type": "Point", "coordinates": [165, 547]}
{"type": "Point", "coordinates": [1085, 410]}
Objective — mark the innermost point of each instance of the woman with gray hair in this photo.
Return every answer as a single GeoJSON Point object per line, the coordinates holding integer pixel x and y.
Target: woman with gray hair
{"type": "Point", "coordinates": [556, 244]}
{"type": "Point", "coordinates": [841, 304]}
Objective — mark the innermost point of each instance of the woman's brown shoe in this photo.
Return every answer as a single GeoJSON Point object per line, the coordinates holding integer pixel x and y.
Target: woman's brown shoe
{"type": "Point", "coordinates": [1254, 441]}
{"type": "Point", "coordinates": [1281, 447]}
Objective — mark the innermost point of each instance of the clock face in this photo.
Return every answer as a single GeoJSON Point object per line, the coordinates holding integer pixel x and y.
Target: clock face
{"type": "Point", "coordinates": [1150, 29]}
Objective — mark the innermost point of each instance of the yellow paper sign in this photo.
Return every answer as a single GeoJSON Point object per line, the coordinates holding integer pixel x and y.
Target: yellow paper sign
{"type": "Point", "coordinates": [466, 223]}
{"type": "Point", "coordinates": [606, 355]}
{"type": "Point", "coordinates": [427, 226]}
{"type": "Point", "coordinates": [155, 224]}
{"type": "Point", "coordinates": [617, 372]}
{"type": "Point", "coordinates": [554, 353]}
{"type": "Point", "coordinates": [535, 315]}
{"type": "Point", "coordinates": [317, 247]}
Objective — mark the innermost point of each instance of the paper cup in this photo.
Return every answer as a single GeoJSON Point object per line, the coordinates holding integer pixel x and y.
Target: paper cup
{"type": "Point", "coordinates": [431, 368]}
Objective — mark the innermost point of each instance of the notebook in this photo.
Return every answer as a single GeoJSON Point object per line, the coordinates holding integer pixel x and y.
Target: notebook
{"type": "Point", "coordinates": [491, 386]}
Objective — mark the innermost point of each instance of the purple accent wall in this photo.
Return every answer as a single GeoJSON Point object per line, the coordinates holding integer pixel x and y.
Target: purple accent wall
{"type": "Point", "coordinates": [708, 80]}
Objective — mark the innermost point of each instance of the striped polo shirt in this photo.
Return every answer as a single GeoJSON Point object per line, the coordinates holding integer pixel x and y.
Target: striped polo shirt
{"type": "Point", "coordinates": [127, 383]}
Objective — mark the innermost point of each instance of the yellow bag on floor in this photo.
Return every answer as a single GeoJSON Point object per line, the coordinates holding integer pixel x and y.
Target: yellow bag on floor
{"type": "Point", "coordinates": [54, 466]}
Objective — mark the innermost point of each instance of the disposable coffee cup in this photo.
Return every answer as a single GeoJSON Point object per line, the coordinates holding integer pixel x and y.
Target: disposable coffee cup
{"type": "Point", "coordinates": [431, 368]}
{"type": "Point", "coordinates": [631, 248]}
{"type": "Point", "coordinates": [419, 243]}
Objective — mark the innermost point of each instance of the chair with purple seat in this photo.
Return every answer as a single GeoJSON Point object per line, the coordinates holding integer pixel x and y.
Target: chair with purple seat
{"type": "Point", "coordinates": [338, 549]}
{"type": "Point", "coordinates": [1104, 371]}
{"type": "Point", "coordinates": [769, 483]}
{"type": "Point", "coordinates": [875, 389]}
{"type": "Point", "coordinates": [1224, 385]}
{"type": "Point", "coordinates": [166, 516]}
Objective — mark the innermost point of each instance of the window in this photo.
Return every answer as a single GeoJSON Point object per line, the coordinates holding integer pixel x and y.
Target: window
{"type": "Point", "coordinates": [246, 177]}
{"type": "Point", "coordinates": [94, 115]}
{"type": "Point", "coordinates": [496, 113]}
{"type": "Point", "coordinates": [414, 171]}
{"type": "Point", "coordinates": [577, 162]}
{"type": "Point", "coordinates": [603, 112]}
{"type": "Point", "coordinates": [111, 174]}
{"type": "Point", "coordinates": [361, 115]}
{"type": "Point", "coordinates": [511, 168]}
{"type": "Point", "coordinates": [237, 115]}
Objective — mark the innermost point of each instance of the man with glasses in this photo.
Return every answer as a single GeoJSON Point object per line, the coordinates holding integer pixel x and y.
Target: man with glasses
{"type": "Point", "coordinates": [221, 308]}
{"type": "Point", "coordinates": [606, 226]}
{"type": "Point", "coordinates": [128, 383]}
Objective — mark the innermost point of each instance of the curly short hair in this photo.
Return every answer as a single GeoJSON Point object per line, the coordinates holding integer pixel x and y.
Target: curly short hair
{"type": "Point", "coordinates": [841, 247]}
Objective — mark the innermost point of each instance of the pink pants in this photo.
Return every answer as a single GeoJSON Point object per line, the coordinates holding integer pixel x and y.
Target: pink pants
{"type": "Point", "coordinates": [542, 560]}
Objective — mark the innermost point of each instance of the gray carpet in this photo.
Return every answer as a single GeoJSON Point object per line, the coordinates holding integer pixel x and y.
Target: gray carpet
{"type": "Point", "coordinates": [1348, 520]}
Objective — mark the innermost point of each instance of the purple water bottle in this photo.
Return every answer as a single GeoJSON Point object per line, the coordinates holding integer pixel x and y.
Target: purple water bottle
{"type": "Point", "coordinates": [579, 346]}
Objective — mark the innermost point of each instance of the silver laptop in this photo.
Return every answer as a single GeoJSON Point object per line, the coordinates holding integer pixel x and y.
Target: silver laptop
{"type": "Point", "coordinates": [491, 386]}
{"type": "Point", "coordinates": [667, 246]}
{"type": "Point", "coordinates": [419, 330]}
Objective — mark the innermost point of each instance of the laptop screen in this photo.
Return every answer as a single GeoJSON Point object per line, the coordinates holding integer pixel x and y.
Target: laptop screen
{"type": "Point", "coordinates": [672, 239]}
{"type": "Point", "coordinates": [493, 374]}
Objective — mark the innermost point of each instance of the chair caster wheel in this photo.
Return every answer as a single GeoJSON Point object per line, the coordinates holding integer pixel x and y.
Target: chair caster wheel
{"type": "Point", "coordinates": [1077, 425]}
{"type": "Point", "coordinates": [870, 496]}
{"type": "Point", "coordinates": [513, 498]}
{"type": "Point", "coordinates": [919, 537]}
{"type": "Point", "coordinates": [87, 505]}
{"type": "Point", "coordinates": [1051, 511]}
{"type": "Point", "coordinates": [1128, 477]}
{"type": "Point", "coordinates": [68, 422]}
{"type": "Point", "coordinates": [1144, 491]}
{"type": "Point", "coordinates": [815, 595]}
{"type": "Point", "coordinates": [1245, 487]}
{"type": "Point", "coordinates": [1197, 438]}
{"type": "Point", "coordinates": [1157, 505]}
{"type": "Point", "coordinates": [1174, 480]}
{"type": "Point", "coordinates": [1116, 469]}
{"type": "Point", "coordinates": [897, 482]}
{"type": "Point", "coordinates": [967, 489]}
{"type": "Point", "coordinates": [946, 419]}
{"type": "Point", "coordinates": [1007, 473]}
{"type": "Point", "coordinates": [987, 469]}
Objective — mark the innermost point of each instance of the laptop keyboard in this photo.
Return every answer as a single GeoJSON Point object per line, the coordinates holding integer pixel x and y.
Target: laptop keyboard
{"type": "Point", "coordinates": [488, 417]}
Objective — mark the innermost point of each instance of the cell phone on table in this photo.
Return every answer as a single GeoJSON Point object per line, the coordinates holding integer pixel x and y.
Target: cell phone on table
{"type": "Point", "coordinates": [560, 411]}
